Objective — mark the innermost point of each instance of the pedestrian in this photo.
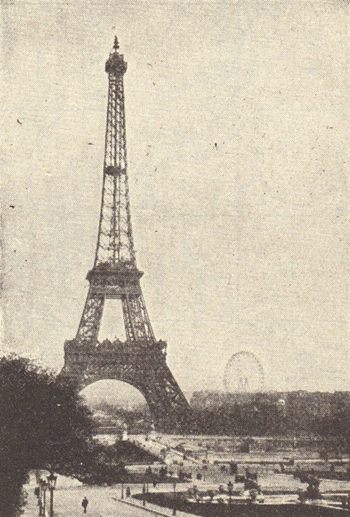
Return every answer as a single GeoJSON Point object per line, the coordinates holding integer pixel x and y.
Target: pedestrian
{"type": "Point", "coordinates": [84, 504]}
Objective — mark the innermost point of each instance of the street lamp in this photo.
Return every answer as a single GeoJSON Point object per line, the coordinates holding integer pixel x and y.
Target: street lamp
{"type": "Point", "coordinates": [144, 495]}
{"type": "Point", "coordinates": [51, 483]}
{"type": "Point", "coordinates": [39, 496]}
{"type": "Point", "coordinates": [38, 493]}
{"type": "Point", "coordinates": [43, 487]}
{"type": "Point", "coordinates": [230, 489]}
{"type": "Point", "coordinates": [148, 478]}
{"type": "Point", "coordinates": [174, 508]}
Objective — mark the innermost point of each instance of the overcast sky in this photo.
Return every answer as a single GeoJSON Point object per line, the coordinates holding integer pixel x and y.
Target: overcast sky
{"type": "Point", "coordinates": [237, 130]}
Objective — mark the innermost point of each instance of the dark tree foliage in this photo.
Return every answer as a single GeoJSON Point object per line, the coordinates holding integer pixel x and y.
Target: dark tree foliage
{"type": "Point", "coordinates": [43, 425]}
{"type": "Point", "coordinates": [256, 418]}
{"type": "Point", "coordinates": [262, 418]}
{"type": "Point", "coordinates": [335, 428]}
{"type": "Point", "coordinates": [321, 415]}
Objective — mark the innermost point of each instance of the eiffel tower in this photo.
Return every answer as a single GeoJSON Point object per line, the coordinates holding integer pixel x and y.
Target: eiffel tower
{"type": "Point", "coordinates": [141, 360]}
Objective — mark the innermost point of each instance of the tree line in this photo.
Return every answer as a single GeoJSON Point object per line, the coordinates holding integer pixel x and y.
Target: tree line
{"type": "Point", "coordinates": [265, 419]}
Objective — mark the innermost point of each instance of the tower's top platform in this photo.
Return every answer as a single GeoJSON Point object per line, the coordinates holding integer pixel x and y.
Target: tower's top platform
{"type": "Point", "coordinates": [115, 64]}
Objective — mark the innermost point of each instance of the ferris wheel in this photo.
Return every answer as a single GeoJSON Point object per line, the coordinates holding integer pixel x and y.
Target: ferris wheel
{"type": "Point", "coordinates": [244, 373]}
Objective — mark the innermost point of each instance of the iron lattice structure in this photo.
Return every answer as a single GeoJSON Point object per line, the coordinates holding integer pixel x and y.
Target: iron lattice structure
{"type": "Point", "coordinates": [141, 359]}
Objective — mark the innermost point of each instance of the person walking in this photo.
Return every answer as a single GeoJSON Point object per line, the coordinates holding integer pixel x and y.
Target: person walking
{"type": "Point", "coordinates": [84, 504]}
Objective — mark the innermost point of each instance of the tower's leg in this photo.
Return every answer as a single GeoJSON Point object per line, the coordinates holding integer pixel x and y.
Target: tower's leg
{"type": "Point", "coordinates": [137, 324]}
{"type": "Point", "coordinates": [91, 319]}
{"type": "Point", "coordinates": [166, 401]}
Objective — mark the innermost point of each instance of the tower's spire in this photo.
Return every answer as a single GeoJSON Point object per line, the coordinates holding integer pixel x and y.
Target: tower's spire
{"type": "Point", "coordinates": [115, 242]}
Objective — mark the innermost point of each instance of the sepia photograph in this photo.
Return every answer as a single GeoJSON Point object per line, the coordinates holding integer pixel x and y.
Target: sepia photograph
{"type": "Point", "coordinates": [175, 258]}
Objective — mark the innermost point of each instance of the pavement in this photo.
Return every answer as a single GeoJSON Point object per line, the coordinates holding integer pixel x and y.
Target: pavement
{"type": "Point", "coordinates": [107, 501]}
{"type": "Point", "coordinates": [103, 501]}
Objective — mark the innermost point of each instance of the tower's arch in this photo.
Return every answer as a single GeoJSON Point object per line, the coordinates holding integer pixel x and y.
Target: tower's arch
{"type": "Point", "coordinates": [112, 392]}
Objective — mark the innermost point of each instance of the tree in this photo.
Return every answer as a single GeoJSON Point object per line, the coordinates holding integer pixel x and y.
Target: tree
{"type": "Point", "coordinates": [43, 425]}
{"type": "Point", "coordinates": [335, 427]}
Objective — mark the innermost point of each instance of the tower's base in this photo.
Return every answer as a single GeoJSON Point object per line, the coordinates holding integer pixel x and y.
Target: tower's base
{"type": "Point", "coordinates": [139, 364]}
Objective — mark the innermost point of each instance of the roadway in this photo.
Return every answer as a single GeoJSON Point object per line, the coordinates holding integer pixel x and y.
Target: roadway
{"type": "Point", "coordinates": [103, 501]}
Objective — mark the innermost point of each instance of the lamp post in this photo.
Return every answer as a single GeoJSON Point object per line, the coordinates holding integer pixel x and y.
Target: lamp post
{"type": "Point", "coordinates": [144, 495]}
{"type": "Point", "coordinates": [122, 490]}
{"type": "Point", "coordinates": [43, 489]}
{"type": "Point", "coordinates": [51, 483]}
{"type": "Point", "coordinates": [39, 494]}
{"type": "Point", "coordinates": [148, 478]}
{"type": "Point", "coordinates": [174, 507]}
{"type": "Point", "coordinates": [230, 489]}
{"type": "Point", "coordinates": [44, 498]}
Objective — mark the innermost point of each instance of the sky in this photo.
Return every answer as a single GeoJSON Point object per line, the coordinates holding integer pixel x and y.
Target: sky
{"type": "Point", "coordinates": [237, 117]}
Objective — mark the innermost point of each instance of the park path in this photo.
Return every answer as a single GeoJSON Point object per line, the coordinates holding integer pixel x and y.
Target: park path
{"type": "Point", "coordinates": [103, 502]}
